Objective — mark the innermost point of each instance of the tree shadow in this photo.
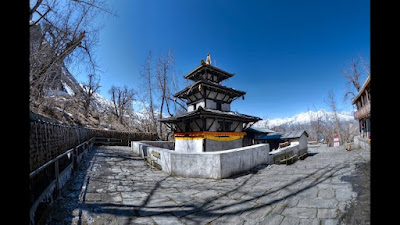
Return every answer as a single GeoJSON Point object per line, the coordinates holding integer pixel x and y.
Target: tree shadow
{"type": "Point", "coordinates": [254, 170]}
{"type": "Point", "coordinates": [312, 153]}
{"type": "Point", "coordinates": [195, 210]}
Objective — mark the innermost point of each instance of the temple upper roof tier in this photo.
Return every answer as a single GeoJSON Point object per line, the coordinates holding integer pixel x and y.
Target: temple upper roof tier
{"type": "Point", "coordinates": [197, 86]}
{"type": "Point", "coordinates": [208, 72]}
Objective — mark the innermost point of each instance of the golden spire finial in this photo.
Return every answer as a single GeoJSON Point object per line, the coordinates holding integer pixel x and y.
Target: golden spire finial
{"type": "Point", "coordinates": [208, 60]}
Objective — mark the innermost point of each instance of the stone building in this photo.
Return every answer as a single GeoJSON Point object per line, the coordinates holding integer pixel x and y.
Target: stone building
{"type": "Point", "coordinates": [362, 101]}
{"type": "Point", "coordinates": [274, 139]}
{"type": "Point", "coordinates": [209, 124]}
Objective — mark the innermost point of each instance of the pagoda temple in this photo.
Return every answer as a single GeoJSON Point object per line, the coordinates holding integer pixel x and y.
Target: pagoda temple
{"type": "Point", "coordinates": [209, 124]}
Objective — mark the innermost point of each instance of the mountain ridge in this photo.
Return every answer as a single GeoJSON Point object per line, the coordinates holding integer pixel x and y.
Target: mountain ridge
{"type": "Point", "coordinates": [304, 118]}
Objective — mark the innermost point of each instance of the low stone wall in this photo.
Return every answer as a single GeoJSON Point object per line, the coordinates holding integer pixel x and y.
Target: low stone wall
{"type": "Point", "coordinates": [363, 143]}
{"type": "Point", "coordinates": [243, 159]}
{"type": "Point", "coordinates": [295, 148]}
{"type": "Point", "coordinates": [161, 144]}
{"type": "Point", "coordinates": [216, 165]}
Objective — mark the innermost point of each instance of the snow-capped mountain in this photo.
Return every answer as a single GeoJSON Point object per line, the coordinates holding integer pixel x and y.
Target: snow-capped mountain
{"type": "Point", "coordinates": [305, 118]}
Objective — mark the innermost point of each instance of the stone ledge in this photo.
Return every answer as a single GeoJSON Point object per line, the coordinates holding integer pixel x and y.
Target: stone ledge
{"type": "Point", "coordinates": [216, 165]}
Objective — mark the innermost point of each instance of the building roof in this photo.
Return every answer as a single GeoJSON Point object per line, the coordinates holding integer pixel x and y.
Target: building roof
{"type": "Point", "coordinates": [294, 134]}
{"type": "Point", "coordinates": [195, 74]}
{"type": "Point", "coordinates": [193, 88]}
{"type": "Point", "coordinates": [279, 135]}
{"type": "Point", "coordinates": [270, 136]}
{"type": "Point", "coordinates": [259, 130]}
{"type": "Point", "coordinates": [211, 113]}
{"type": "Point", "coordinates": [362, 89]}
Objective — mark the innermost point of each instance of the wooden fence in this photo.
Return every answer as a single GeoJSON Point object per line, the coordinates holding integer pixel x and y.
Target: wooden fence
{"type": "Point", "coordinates": [55, 151]}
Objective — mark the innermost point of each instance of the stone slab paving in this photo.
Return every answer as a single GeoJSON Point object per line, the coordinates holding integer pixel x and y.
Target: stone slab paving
{"type": "Point", "coordinates": [116, 187]}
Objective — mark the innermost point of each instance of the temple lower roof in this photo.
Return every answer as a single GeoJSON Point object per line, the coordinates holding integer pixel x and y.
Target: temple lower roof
{"type": "Point", "coordinates": [211, 113]}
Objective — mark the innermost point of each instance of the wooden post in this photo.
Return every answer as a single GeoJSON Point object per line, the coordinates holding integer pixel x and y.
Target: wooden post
{"type": "Point", "coordinates": [74, 159]}
{"type": "Point", "coordinates": [86, 147]}
{"type": "Point", "coordinates": [56, 173]}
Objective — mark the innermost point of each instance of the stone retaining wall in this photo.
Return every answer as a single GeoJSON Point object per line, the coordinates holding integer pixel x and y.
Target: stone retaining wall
{"type": "Point", "coordinates": [295, 148]}
{"type": "Point", "coordinates": [362, 143]}
{"type": "Point", "coordinates": [216, 165]}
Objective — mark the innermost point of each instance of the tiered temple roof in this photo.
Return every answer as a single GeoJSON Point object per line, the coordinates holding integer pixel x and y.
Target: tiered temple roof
{"type": "Point", "coordinates": [209, 104]}
{"type": "Point", "coordinates": [208, 72]}
{"type": "Point", "coordinates": [189, 93]}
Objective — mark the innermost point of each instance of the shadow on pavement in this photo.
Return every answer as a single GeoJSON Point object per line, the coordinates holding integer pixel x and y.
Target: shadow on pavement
{"type": "Point", "coordinates": [197, 211]}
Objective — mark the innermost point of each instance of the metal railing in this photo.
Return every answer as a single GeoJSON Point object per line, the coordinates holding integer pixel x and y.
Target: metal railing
{"type": "Point", "coordinates": [74, 155]}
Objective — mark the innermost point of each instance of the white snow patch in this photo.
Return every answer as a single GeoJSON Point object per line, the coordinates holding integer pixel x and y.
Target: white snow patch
{"type": "Point", "coordinates": [61, 110]}
{"type": "Point", "coordinates": [305, 117]}
{"type": "Point", "coordinates": [68, 89]}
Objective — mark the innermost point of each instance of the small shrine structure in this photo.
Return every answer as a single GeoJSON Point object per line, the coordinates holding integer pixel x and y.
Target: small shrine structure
{"type": "Point", "coordinates": [209, 124]}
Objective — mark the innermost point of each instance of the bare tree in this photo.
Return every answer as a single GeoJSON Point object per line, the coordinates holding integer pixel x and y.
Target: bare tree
{"type": "Point", "coordinates": [164, 67]}
{"type": "Point", "coordinates": [122, 99]}
{"type": "Point", "coordinates": [89, 89]}
{"type": "Point", "coordinates": [61, 31]}
{"type": "Point", "coordinates": [342, 129]}
{"type": "Point", "coordinates": [148, 90]}
{"type": "Point", "coordinates": [355, 73]}
{"type": "Point", "coordinates": [316, 124]}
{"type": "Point", "coordinates": [177, 101]}
{"type": "Point", "coordinates": [331, 102]}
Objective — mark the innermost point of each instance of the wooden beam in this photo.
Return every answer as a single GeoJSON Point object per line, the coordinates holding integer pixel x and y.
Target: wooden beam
{"type": "Point", "coordinates": [195, 121]}
{"type": "Point", "coordinates": [209, 92]}
{"type": "Point", "coordinates": [211, 124]}
{"type": "Point", "coordinates": [236, 126]}
{"type": "Point", "coordinates": [205, 97]}
{"type": "Point", "coordinates": [178, 128]}
{"type": "Point", "coordinates": [227, 98]}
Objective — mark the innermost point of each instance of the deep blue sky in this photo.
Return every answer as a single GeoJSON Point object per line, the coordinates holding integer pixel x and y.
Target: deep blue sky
{"type": "Point", "coordinates": [286, 54]}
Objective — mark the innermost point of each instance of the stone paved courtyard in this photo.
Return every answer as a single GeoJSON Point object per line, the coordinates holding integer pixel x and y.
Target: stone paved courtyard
{"type": "Point", "coordinates": [115, 187]}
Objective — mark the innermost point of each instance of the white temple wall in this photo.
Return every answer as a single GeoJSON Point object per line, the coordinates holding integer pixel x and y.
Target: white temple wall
{"type": "Point", "coordinates": [191, 107]}
{"type": "Point", "coordinates": [201, 103]}
{"type": "Point", "coordinates": [189, 146]}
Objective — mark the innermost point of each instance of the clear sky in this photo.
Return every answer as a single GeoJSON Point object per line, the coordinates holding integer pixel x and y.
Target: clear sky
{"type": "Point", "coordinates": [286, 54]}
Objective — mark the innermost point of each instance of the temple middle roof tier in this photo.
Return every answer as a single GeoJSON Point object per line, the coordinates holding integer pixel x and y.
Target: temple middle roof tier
{"type": "Point", "coordinates": [197, 87]}
{"type": "Point", "coordinates": [211, 113]}
{"type": "Point", "coordinates": [208, 72]}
